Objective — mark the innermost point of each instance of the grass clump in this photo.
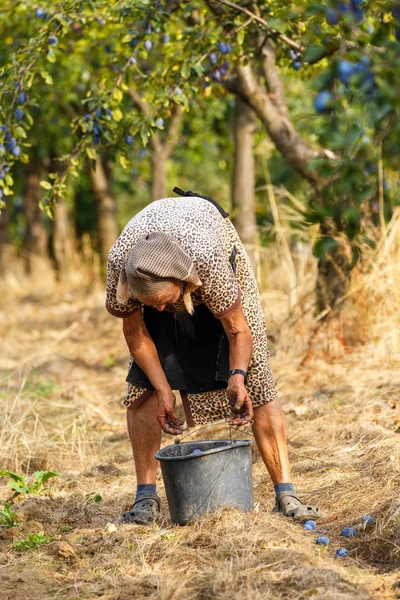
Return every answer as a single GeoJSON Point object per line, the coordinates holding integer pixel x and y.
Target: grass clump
{"type": "Point", "coordinates": [8, 517]}
{"type": "Point", "coordinates": [32, 540]}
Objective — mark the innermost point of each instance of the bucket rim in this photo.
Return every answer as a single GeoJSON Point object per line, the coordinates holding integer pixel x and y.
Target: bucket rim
{"type": "Point", "coordinates": [228, 446]}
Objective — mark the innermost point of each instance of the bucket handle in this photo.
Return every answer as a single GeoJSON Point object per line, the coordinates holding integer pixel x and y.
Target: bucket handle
{"type": "Point", "coordinates": [220, 422]}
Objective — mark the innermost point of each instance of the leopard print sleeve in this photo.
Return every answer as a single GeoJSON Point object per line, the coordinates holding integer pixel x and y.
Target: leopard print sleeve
{"type": "Point", "coordinates": [114, 307]}
{"type": "Point", "coordinates": [220, 291]}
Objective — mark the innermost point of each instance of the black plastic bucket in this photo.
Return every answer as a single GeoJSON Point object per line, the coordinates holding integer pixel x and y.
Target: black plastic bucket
{"type": "Point", "coordinates": [219, 475]}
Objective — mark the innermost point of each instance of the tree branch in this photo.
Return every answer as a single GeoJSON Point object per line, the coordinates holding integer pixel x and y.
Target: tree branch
{"type": "Point", "coordinates": [155, 140]}
{"type": "Point", "coordinates": [260, 20]}
{"type": "Point", "coordinates": [138, 100]}
{"type": "Point", "coordinates": [273, 79]}
{"type": "Point", "coordinates": [173, 130]}
{"type": "Point", "coordinates": [280, 128]}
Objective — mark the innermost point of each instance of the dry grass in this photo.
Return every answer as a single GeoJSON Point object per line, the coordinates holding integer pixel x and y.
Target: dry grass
{"type": "Point", "coordinates": [63, 365]}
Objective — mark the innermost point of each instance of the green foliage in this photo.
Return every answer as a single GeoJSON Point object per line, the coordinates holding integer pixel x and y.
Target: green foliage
{"type": "Point", "coordinates": [109, 363]}
{"type": "Point", "coordinates": [43, 389]}
{"type": "Point", "coordinates": [93, 497]}
{"type": "Point", "coordinates": [71, 72]}
{"type": "Point", "coordinates": [8, 517]}
{"type": "Point", "coordinates": [21, 484]}
{"type": "Point", "coordinates": [32, 540]}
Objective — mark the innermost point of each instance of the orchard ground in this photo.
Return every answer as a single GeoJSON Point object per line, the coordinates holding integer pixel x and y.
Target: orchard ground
{"type": "Point", "coordinates": [63, 364]}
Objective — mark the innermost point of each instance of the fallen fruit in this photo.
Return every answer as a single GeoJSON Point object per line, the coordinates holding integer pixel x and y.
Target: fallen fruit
{"type": "Point", "coordinates": [367, 519]}
{"type": "Point", "coordinates": [322, 540]}
{"type": "Point", "coordinates": [342, 552]}
{"type": "Point", "coordinates": [348, 532]}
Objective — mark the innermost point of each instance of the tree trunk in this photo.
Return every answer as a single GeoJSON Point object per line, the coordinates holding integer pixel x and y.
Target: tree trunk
{"type": "Point", "coordinates": [161, 145]}
{"type": "Point", "coordinates": [63, 240]}
{"type": "Point", "coordinates": [106, 207]}
{"type": "Point", "coordinates": [36, 238]}
{"type": "Point", "coordinates": [159, 161]}
{"type": "Point", "coordinates": [5, 245]}
{"type": "Point", "coordinates": [243, 173]}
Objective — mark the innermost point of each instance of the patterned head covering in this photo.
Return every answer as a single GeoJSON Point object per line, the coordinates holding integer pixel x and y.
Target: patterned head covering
{"type": "Point", "coordinates": [155, 261]}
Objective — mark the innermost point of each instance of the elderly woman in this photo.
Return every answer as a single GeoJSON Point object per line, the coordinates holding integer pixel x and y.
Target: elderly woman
{"type": "Point", "coordinates": [181, 280]}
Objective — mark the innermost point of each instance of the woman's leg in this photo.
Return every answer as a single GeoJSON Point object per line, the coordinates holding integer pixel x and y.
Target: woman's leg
{"type": "Point", "coordinates": [145, 436]}
{"type": "Point", "coordinates": [270, 434]}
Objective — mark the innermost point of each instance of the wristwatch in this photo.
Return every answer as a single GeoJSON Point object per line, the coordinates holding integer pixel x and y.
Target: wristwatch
{"type": "Point", "coordinates": [238, 371]}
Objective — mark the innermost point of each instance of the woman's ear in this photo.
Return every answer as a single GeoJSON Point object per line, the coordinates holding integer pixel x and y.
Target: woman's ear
{"type": "Point", "coordinates": [123, 288]}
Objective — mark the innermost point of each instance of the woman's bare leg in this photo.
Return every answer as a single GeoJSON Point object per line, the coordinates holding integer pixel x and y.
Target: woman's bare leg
{"type": "Point", "coordinates": [145, 436]}
{"type": "Point", "coordinates": [269, 430]}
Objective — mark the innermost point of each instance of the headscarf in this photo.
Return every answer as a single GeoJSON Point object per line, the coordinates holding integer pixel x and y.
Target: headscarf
{"type": "Point", "coordinates": [156, 260]}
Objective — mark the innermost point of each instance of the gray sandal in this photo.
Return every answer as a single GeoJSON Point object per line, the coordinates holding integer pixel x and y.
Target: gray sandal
{"type": "Point", "coordinates": [290, 505]}
{"type": "Point", "coordinates": [145, 510]}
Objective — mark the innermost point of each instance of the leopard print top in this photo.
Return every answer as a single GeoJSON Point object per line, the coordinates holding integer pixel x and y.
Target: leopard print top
{"type": "Point", "coordinates": [199, 227]}
{"type": "Point", "coordinates": [209, 239]}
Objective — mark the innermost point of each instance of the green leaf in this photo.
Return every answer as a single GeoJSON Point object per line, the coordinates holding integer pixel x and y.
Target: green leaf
{"type": "Point", "coordinates": [17, 488]}
{"type": "Point", "coordinates": [351, 215]}
{"type": "Point", "coordinates": [240, 37]}
{"type": "Point", "coordinates": [47, 77]}
{"type": "Point", "coordinates": [316, 9]}
{"type": "Point", "coordinates": [46, 185]}
{"type": "Point", "coordinates": [91, 153]}
{"type": "Point", "coordinates": [117, 115]}
{"type": "Point", "coordinates": [144, 137]}
{"type": "Point", "coordinates": [324, 246]}
{"type": "Point", "coordinates": [185, 71]}
{"type": "Point", "coordinates": [44, 476]}
{"type": "Point", "coordinates": [118, 95]}
{"type": "Point", "coordinates": [123, 161]}
{"type": "Point", "coordinates": [20, 131]}
{"type": "Point", "coordinates": [14, 476]}
{"type": "Point", "coordinates": [313, 53]}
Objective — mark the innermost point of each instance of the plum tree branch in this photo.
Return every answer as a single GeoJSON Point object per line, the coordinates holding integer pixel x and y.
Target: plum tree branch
{"type": "Point", "coordinates": [273, 79]}
{"type": "Point", "coordinates": [296, 151]}
{"type": "Point", "coordinates": [174, 128]}
{"type": "Point", "coordinates": [262, 22]}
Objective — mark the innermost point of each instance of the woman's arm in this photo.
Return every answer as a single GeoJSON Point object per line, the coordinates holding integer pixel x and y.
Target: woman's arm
{"type": "Point", "coordinates": [240, 351]}
{"type": "Point", "coordinates": [144, 352]}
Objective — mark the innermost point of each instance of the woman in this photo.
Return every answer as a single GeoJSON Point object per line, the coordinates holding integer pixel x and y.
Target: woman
{"type": "Point", "coordinates": [182, 282]}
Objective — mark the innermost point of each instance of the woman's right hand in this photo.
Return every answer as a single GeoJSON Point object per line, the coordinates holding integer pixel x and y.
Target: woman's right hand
{"type": "Point", "coordinates": [166, 415]}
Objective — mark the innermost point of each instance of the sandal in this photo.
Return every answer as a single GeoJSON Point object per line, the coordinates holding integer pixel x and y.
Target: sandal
{"type": "Point", "coordinates": [290, 505]}
{"type": "Point", "coordinates": [145, 510]}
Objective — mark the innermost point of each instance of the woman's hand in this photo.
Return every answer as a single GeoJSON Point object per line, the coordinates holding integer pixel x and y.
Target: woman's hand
{"type": "Point", "coordinates": [166, 415]}
{"type": "Point", "coordinates": [239, 399]}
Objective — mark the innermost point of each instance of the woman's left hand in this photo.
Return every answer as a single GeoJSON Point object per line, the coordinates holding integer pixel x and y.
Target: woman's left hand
{"type": "Point", "coordinates": [239, 399]}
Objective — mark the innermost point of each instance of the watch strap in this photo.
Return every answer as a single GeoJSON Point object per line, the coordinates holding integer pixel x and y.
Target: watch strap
{"type": "Point", "coordinates": [238, 372]}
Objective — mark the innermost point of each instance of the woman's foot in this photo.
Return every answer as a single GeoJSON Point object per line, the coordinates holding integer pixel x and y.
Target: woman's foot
{"type": "Point", "coordinates": [289, 504]}
{"type": "Point", "coordinates": [144, 511]}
